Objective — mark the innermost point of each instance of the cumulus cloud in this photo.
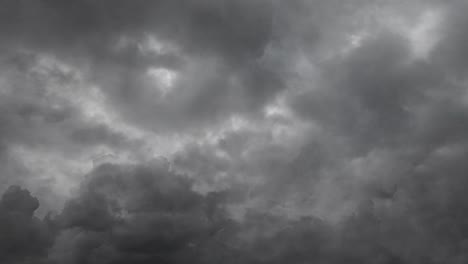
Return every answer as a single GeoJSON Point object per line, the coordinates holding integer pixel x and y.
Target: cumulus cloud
{"type": "Point", "coordinates": [233, 131]}
{"type": "Point", "coordinates": [136, 214]}
{"type": "Point", "coordinates": [25, 238]}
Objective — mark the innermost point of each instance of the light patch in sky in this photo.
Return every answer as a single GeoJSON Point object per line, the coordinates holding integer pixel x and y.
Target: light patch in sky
{"type": "Point", "coordinates": [48, 165]}
{"type": "Point", "coordinates": [355, 41]}
{"type": "Point", "coordinates": [305, 74]}
{"type": "Point", "coordinates": [234, 123]}
{"type": "Point", "coordinates": [423, 35]}
{"type": "Point", "coordinates": [47, 64]}
{"type": "Point", "coordinates": [92, 104]}
{"type": "Point", "coordinates": [421, 32]}
{"type": "Point", "coordinates": [146, 45]}
{"type": "Point", "coordinates": [123, 42]}
{"type": "Point", "coordinates": [164, 79]}
{"type": "Point", "coordinates": [278, 109]}
{"type": "Point", "coordinates": [285, 127]}
{"type": "Point", "coordinates": [152, 44]}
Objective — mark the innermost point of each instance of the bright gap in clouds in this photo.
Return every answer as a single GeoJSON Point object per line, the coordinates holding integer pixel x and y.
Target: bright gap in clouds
{"type": "Point", "coordinates": [421, 31]}
{"type": "Point", "coordinates": [163, 80]}
{"type": "Point", "coordinates": [151, 44]}
{"type": "Point", "coordinates": [424, 34]}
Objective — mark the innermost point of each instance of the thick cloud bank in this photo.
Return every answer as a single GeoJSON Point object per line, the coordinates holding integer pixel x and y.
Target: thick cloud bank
{"type": "Point", "coordinates": [147, 214]}
{"type": "Point", "coordinates": [25, 238]}
{"type": "Point", "coordinates": [233, 131]}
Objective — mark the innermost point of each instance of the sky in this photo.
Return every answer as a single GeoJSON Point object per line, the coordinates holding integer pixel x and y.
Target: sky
{"type": "Point", "coordinates": [233, 131]}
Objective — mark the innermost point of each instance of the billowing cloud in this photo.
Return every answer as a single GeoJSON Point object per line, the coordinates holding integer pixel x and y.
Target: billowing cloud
{"type": "Point", "coordinates": [256, 131]}
{"type": "Point", "coordinates": [136, 214]}
{"type": "Point", "coordinates": [25, 238]}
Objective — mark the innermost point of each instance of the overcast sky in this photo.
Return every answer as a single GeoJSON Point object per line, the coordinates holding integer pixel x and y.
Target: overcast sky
{"type": "Point", "coordinates": [233, 131]}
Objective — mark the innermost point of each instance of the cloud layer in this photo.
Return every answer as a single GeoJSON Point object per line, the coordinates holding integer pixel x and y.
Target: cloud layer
{"type": "Point", "coordinates": [233, 131]}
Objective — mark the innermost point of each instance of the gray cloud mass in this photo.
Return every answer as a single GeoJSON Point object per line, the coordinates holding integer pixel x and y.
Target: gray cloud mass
{"type": "Point", "coordinates": [246, 131]}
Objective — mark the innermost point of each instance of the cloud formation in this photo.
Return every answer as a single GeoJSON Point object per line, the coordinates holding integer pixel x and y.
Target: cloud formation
{"type": "Point", "coordinates": [25, 238]}
{"type": "Point", "coordinates": [233, 131]}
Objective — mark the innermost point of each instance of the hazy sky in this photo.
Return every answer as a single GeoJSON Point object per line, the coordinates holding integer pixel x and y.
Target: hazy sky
{"type": "Point", "coordinates": [233, 131]}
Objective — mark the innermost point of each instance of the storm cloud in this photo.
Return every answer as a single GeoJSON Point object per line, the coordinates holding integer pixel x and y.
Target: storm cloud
{"type": "Point", "coordinates": [25, 238]}
{"type": "Point", "coordinates": [261, 131]}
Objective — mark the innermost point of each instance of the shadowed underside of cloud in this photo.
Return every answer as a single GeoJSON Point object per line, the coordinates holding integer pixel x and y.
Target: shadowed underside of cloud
{"type": "Point", "coordinates": [135, 214]}
{"type": "Point", "coordinates": [25, 238]}
{"type": "Point", "coordinates": [148, 213]}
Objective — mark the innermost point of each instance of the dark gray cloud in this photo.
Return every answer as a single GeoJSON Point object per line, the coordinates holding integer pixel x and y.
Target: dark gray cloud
{"type": "Point", "coordinates": [231, 35]}
{"type": "Point", "coordinates": [25, 238]}
{"type": "Point", "coordinates": [136, 214]}
{"type": "Point", "coordinates": [450, 51]}
{"type": "Point", "coordinates": [372, 91]}
{"type": "Point", "coordinates": [39, 116]}
{"type": "Point", "coordinates": [147, 213]}
{"type": "Point", "coordinates": [292, 131]}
